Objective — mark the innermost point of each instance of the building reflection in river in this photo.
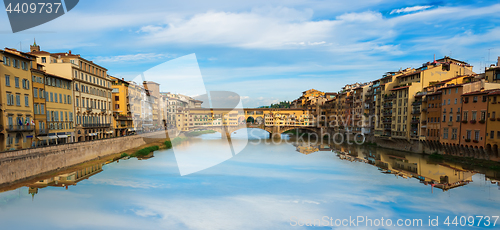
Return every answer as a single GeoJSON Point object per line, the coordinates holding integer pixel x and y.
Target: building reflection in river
{"type": "Point", "coordinates": [443, 175]}
{"type": "Point", "coordinates": [66, 179]}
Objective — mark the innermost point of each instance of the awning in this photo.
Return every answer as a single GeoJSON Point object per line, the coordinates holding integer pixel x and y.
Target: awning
{"type": "Point", "coordinates": [63, 136]}
{"type": "Point", "coordinates": [44, 138]}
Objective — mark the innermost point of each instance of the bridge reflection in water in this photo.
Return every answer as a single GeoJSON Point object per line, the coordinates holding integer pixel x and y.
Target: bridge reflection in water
{"type": "Point", "coordinates": [435, 173]}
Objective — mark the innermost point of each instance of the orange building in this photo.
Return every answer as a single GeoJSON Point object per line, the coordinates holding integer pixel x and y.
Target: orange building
{"type": "Point", "coordinates": [473, 128]}
{"type": "Point", "coordinates": [451, 114]}
{"type": "Point", "coordinates": [433, 122]}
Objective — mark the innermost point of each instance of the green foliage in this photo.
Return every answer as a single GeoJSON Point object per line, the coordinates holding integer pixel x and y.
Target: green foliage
{"type": "Point", "coordinates": [168, 144]}
{"type": "Point", "coordinates": [145, 151]}
{"type": "Point", "coordinates": [280, 105]}
{"type": "Point", "coordinates": [123, 155]}
{"type": "Point", "coordinates": [436, 156]}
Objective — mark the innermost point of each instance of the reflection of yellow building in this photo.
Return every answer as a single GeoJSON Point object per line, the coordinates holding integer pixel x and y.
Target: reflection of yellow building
{"type": "Point", "coordinates": [66, 179]}
{"type": "Point", "coordinates": [16, 98]}
{"type": "Point", "coordinates": [59, 103]}
{"type": "Point", "coordinates": [441, 175]}
{"type": "Point", "coordinates": [122, 114]}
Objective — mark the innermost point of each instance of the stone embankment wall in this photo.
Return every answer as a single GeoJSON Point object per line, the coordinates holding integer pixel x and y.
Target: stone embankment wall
{"type": "Point", "coordinates": [26, 163]}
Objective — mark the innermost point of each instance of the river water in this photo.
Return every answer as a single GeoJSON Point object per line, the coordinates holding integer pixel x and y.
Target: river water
{"type": "Point", "coordinates": [266, 186]}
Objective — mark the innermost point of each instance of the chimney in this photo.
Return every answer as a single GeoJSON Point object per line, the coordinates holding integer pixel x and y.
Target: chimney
{"type": "Point", "coordinates": [498, 61]}
{"type": "Point", "coordinates": [69, 52]}
{"type": "Point", "coordinates": [123, 79]}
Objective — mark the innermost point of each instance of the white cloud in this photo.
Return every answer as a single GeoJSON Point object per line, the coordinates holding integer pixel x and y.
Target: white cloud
{"type": "Point", "coordinates": [134, 57]}
{"type": "Point", "coordinates": [409, 9]}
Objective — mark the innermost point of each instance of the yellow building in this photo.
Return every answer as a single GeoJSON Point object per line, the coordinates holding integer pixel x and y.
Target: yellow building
{"type": "Point", "coordinates": [406, 110]}
{"type": "Point", "coordinates": [39, 107]}
{"type": "Point", "coordinates": [60, 109]}
{"type": "Point", "coordinates": [92, 91]}
{"type": "Point", "coordinates": [16, 100]}
{"type": "Point", "coordinates": [122, 114]}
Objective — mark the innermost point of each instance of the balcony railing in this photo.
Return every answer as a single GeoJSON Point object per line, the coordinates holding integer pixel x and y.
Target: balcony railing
{"type": "Point", "coordinates": [415, 112]}
{"type": "Point", "coordinates": [96, 125]}
{"type": "Point", "coordinates": [20, 128]}
{"type": "Point", "coordinates": [41, 131]}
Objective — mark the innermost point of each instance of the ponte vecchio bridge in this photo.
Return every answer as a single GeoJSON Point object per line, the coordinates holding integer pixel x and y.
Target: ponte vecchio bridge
{"type": "Point", "coordinates": [227, 121]}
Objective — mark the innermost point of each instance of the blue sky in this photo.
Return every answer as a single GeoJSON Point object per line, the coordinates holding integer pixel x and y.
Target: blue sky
{"type": "Point", "coordinates": [268, 51]}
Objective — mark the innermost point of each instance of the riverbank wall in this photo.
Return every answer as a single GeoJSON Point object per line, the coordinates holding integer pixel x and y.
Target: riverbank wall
{"type": "Point", "coordinates": [27, 163]}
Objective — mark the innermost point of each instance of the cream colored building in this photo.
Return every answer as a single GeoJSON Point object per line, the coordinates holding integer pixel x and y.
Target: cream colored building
{"type": "Point", "coordinates": [92, 91]}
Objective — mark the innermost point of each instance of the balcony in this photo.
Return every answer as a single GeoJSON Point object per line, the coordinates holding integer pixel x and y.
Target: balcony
{"type": "Point", "coordinates": [387, 114]}
{"type": "Point", "coordinates": [89, 109]}
{"type": "Point", "coordinates": [96, 125]}
{"type": "Point", "coordinates": [415, 112]}
{"type": "Point", "coordinates": [103, 111]}
{"type": "Point", "coordinates": [387, 106]}
{"type": "Point", "coordinates": [41, 131]}
{"type": "Point", "coordinates": [387, 122]}
{"type": "Point", "coordinates": [415, 121]}
{"type": "Point", "coordinates": [417, 103]}
{"type": "Point", "coordinates": [20, 128]}
{"type": "Point", "coordinates": [123, 118]}
{"type": "Point", "coordinates": [390, 97]}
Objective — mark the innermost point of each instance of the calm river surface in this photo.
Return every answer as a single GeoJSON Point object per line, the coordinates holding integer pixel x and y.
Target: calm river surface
{"type": "Point", "coordinates": [266, 186]}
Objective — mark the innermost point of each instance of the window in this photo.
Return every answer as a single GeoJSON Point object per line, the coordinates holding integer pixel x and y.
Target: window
{"type": "Point", "coordinates": [42, 108]}
{"type": "Point", "coordinates": [16, 82]}
{"type": "Point", "coordinates": [51, 97]}
{"type": "Point", "coordinates": [474, 115]}
{"type": "Point", "coordinates": [451, 118]}
{"type": "Point", "coordinates": [492, 134]}
{"type": "Point", "coordinates": [60, 98]}
{"type": "Point", "coordinates": [55, 97]}
{"type": "Point", "coordinates": [15, 63]}
{"type": "Point", "coordinates": [448, 101]}
{"type": "Point", "coordinates": [466, 99]}
{"type": "Point", "coordinates": [469, 133]}
{"type": "Point", "coordinates": [454, 132]}
{"type": "Point", "coordinates": [18, 99]}
{"type": "Point", "coordinates": [44, 60]}
{"type": "Point", "coordinates": [445, 133]}
{"type": "Point", "coordinates": [26, 100]}
{"type": "Point", "coordinates": [10, 99]}
{"type": "Point", "coordinates": [458, 117]}
{"type": "Point", "coordinates": [444, 117]}
{"type": "Point", "coordinates": [476, 135]}
{"type": "Point", "coordinates": [485, 98]}
{"type": "Point", "coordinates": [474, 99]}
{"type": "Point", "coordinates": [6, 60]}
{"type": "Point", "coordinates": [35, 92]}
{"type": "Point", "coordinates": [456, 101]}
{"type": "Point", "coordinates": [483, 115]}
{"type": "Point", "coordinates": [7, 80]}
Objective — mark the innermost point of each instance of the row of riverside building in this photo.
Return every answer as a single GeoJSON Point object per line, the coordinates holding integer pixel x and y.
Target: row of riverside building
{"type": "Point", "coordinates": [443, 103]}
{"type": "Point", "coordinates": [55, 98]}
